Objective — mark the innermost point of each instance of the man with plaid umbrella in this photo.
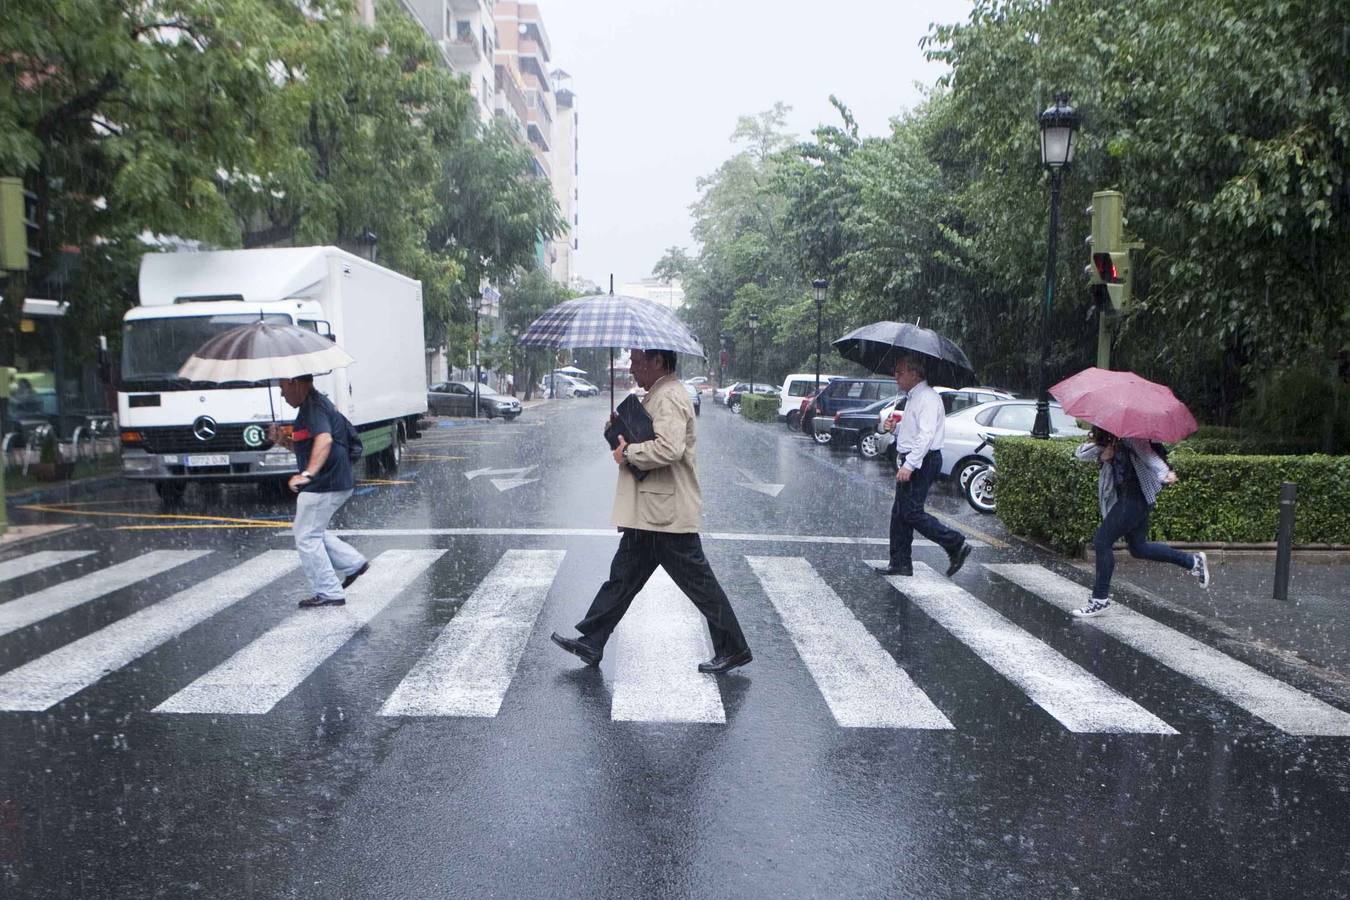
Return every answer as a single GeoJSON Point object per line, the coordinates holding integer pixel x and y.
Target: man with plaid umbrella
{"type": "Point", "coordinates": [659, 517]}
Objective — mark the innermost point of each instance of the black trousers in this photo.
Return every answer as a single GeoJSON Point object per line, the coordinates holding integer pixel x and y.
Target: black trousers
{"type": "Point", "coordinates": [681, 555]}
{"type": "Point", "coordinates": [909, 516]}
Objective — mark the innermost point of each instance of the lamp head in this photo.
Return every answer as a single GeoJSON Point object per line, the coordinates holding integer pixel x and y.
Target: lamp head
{"type": "Point", "coordinates": [1059, 127]}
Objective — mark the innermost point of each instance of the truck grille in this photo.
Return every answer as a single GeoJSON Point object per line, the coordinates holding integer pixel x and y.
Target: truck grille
{"type": "Point", "coordinates": [180, 439]}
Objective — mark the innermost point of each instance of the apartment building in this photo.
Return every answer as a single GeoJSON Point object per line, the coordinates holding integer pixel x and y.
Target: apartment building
{"type": "Point", "coordinates": [465, 32]}
{"type": "Point", "coordinates": [565, 175]}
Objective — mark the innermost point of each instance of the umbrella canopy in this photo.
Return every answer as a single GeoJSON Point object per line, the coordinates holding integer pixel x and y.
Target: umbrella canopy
{"type": "Point", "coordinates": [570, 370]}
{"type": "Point", "coordinates": [877, 346]}
{"type": "Point", "coordinates": [262, 351]}
{"type": "Point", "coordinates": [611, 320]}
{"type": "Point", "coordinates": [1125, 404]}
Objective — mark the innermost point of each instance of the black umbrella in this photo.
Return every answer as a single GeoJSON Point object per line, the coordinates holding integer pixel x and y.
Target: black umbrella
{"type": "Point", "coordinates": [877, 346]}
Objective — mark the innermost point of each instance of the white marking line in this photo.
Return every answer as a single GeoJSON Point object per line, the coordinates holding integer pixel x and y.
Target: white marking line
{"type": "Point", "coordinates": [612, 533]}
{"type": "Point", "coordinates": [468, 668]}
{"type": "Point", "coordinates": [1285, 707]}
{"type": "Point", "coordinates": [36, 562]}
{"type": "Point", "coordinates": [860, 681]}
{"type": "Point", "coordinates": [506, 484]}
{"type": "Point", "coordinates": [49, 679]}
{"type": "Point", "coordinates": [660, 643]}
{"type": "Point", "coordinates": [257, 677]}
{"type": "Point", "coordinates": [58, 598]}
{"type": "Point", "coordinates": [764, 487]}
{"type": "Point", "coordinates": [1077, 698]}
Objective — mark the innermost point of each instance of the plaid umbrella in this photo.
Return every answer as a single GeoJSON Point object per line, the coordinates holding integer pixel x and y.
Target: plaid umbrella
{"type": "Point", "coordinates": [611, 320]}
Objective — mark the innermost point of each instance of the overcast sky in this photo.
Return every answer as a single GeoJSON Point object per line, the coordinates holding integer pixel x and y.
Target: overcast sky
{"type": "Point", "coordinates": [660, 83]}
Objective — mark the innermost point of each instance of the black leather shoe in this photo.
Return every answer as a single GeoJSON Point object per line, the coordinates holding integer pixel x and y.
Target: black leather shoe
{"type": "Point", "coordinates": [958, 559]}
{"type": "Point", "coordinates": [720, 665]}
{"type": "Point", "coordinates": [347, 582]}
{"type": "Point", "coordinates": [589, 655]}
{"type": "Point", "coordinates": [312, 602]}
{"type": "Point", "coordinates": [896, 570]}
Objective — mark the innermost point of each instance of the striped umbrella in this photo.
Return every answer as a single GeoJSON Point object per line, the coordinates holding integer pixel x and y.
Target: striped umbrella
{"type": "Point", "coordinates": [262, 351]}
{"type": "Point", "coordinates": [611, 320]}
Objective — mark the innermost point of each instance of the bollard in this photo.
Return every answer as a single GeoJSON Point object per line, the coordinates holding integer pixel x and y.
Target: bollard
{"type": "Point", "coordinates": [1288, 498]}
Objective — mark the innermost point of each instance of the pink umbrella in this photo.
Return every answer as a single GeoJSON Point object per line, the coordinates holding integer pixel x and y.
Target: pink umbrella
{"type": "Point", "coordinates": [1125, 405]}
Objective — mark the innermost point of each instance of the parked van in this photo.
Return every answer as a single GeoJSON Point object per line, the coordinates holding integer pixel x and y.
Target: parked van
{"type": "Point", "coordinates": [795, 387]}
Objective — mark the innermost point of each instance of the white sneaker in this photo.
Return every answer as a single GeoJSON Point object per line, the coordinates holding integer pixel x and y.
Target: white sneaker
{"type": "Point", "coordinates": [1095, 607]}
{"type": "Point", "coordinates": [1201, 569]}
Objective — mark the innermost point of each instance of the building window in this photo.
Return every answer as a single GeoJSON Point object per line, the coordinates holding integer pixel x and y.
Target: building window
{"type": "Point", "coordinates": [463, 31]}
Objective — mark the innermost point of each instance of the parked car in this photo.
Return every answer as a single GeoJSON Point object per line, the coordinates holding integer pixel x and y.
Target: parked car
{"type": "Point", "coordinates": [455, 398]}
{"type": "Point", "coordinates": [953, 400]}
{"type": "Point", "coordinates": [842, 394]}
{"type": "Point", "coordinates": [794, 388]}
{"type": "Point", "coordinates": [566, 386]}
{"type": "Point", "coordinates": [969, 428]}
{"type": "Point", "coordinates": [699, 383]}
{"type": "Point", "coordinates": [735, 394]}
{"type": "Point", "coordinates": [694, 398]}
{"type": "Point", "coordinates": [858, 427]}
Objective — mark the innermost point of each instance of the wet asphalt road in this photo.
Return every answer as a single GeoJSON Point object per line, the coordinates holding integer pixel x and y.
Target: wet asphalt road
{"type": "Point", "coordinates": [323, 796]}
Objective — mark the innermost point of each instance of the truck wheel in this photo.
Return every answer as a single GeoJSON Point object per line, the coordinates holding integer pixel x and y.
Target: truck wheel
{"type": "Point", "coordinates": [392, 456]}
{"type": "Point", "coordinates": [375, 465]}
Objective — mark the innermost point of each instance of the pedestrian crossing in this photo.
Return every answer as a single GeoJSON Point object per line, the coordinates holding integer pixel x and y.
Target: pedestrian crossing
{"type": "Point", "coordinates": [468, 670]}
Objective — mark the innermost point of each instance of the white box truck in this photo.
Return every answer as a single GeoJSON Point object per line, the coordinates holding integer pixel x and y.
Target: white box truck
{"type": "Point", "coordinates": [176, 431]}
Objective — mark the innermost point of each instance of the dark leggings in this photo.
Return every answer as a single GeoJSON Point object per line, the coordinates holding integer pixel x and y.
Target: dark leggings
{"type": "Point", "coordinates": [1129, 519]}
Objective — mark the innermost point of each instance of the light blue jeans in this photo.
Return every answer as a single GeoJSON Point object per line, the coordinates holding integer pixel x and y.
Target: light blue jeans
{"type": "Point", "coordinates": [325, 559]}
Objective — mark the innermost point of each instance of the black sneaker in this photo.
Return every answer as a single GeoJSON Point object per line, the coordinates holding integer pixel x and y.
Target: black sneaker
{"type": "Point", "coordinates": [311, 602]}
{"type": "Point", "coordinates": [957, 558]}
{"type": "Point", "coordinates": [350, 579]}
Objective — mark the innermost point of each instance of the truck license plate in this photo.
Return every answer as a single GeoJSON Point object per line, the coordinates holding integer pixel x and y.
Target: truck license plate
{"type": "Point", "coordinates": [212, 460]}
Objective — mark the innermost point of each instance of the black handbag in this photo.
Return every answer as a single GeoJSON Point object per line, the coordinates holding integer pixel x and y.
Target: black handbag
{"type": "Point", "coordinates": [634, 425]}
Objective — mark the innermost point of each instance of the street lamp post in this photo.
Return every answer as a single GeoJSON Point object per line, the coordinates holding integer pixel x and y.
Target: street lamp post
{"type": "Point", "coordinates": [1059, 125]}
{"type": "Point", "coordinates": [754, 326]}
{"type": "Point", "coordinates": [819, 285]}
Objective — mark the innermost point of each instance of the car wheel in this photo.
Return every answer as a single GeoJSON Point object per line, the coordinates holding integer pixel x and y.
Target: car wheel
{"type": "Point", "coordinates": [869, 445]}
{"type": "Point", "coordinates": [980, 490]}
{"type": "Point", "coordinates": [822, 437]}
{"type": "Point", "coordinates": [735, 408]}
{"type": "Point", "coordinates": [965, 469]}
{"type": "Point", "coordinates": [794, 420]}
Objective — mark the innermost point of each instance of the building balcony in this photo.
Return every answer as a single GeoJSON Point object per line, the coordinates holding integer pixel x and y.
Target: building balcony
{"type": "Point", "coordinates": [464, 52]}
{"type": "Point", "coordinates": [538, 136]}
{"type": "Point", "coordinates": [510, 92]}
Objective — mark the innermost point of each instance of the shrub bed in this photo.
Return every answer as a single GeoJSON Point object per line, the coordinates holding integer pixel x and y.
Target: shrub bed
{"type": "Point", "coordinates": [1047, 495]}
{"type": "Point", "coordinates": [759, 407]}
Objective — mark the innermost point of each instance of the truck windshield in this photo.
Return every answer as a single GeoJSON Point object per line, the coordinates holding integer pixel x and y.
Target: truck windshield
{"type": "Point", "coordinates": [153, 350]}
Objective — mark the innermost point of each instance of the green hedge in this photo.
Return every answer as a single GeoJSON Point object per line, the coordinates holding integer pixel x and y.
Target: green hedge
{"type": "Point", "coordinates": [1047, 495]}
{"type": "Point", "coordinates": [759, 407]}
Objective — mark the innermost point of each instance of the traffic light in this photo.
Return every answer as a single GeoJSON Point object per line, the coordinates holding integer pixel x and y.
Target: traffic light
{"type": "Point", "coordinates": [1109, 273]}
{"type": "Point", "coordinates": [18, 225]}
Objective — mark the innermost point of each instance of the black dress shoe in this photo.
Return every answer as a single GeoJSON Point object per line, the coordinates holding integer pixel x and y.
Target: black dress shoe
{"type": "Point", "coordinates": [896, 570]}
{"type": "Point", "coordinates": [347, 582]}
{"type": "Point", "coordinates": [311, 602]}
{"type": "Point", "coordinates": [589, 655]}
{"type": "Point", "coordinates": [720, 665]}
{"type": "Point", "coordinates": [958, 559]}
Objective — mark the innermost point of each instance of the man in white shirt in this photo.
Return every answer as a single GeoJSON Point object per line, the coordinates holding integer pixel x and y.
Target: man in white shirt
{"type": "Point", "coordinates": [918, 456]}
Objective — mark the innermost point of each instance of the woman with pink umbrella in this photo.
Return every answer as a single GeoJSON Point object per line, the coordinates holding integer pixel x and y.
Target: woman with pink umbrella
{"type": "Point", "coordinates": [1128, 414]}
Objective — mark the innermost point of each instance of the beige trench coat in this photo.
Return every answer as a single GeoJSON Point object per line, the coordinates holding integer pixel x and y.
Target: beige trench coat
{"type": "Point", "coordinates": [669, 498]}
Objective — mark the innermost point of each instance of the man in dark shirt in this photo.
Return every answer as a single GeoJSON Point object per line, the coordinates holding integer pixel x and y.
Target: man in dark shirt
{"type": "Point", "coordinates": [323, 484]}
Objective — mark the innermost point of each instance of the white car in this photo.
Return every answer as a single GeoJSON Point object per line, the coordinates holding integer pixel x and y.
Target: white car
{"type": "Point", "coordinates": [953, 400]}
{"type": "Point", "coordinates": [795, 387]}
{"type": "Point", "coordinates": [968, 429]}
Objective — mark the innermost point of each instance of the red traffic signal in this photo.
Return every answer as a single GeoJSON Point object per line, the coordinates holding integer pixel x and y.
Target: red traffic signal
{"type": "Point", "coordinates": [1106, 268]}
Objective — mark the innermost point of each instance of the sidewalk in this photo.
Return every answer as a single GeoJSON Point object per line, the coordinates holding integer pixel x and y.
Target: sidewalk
{"type": "Point", "coordinates": [1313, 625]}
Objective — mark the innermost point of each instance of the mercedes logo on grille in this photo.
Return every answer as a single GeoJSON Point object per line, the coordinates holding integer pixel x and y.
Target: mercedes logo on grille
{"type": "Point", "coordinates": [204, 428]}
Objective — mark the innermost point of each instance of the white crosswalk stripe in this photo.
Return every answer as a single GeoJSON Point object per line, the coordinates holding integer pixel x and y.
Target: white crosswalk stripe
{"type": "Point", "coordinates": [861, 683]}
{"type": "Point", "coordinates": [659, 644]}
{"type": "Point", "coordinates": [1283, 706]}
{"type": "Point", "coordinates": [470, 665]}
{"type": "Point", "coordinates": [24, 611]}
{"type": "Point", "coordinates": [36, 562]}
{"type": "Point", "coordinates": [257, 677]}
{"type": "Point", "coordinates": [1067, 691]}
{"type": "Point", "coordinates": [49, 679]}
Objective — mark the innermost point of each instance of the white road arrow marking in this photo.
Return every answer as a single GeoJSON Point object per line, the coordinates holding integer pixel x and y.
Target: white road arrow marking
{"type": "Point", "coordinates": [512, 473]}
{"type": "Point", "coordinates": [772, 490]}
{"type": "Point", "coordinates": [506, 484]}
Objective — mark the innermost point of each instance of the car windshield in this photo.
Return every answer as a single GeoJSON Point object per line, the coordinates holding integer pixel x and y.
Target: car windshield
{"type": "Point", "coordinates": [153, 350]}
